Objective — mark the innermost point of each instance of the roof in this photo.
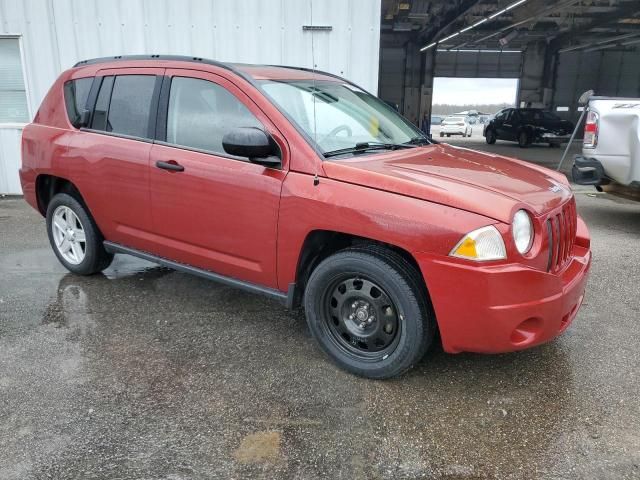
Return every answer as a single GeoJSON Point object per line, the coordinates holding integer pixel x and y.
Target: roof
{"type": "Point", "coordinates": [245, 70]}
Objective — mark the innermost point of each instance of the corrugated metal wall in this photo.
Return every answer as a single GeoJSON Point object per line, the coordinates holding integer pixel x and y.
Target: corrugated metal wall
{"type": "Point", "coordinates": [57, 33]}
{"type": "Point", "coordinates": [607, 72]}
{"type": "Point", "coordinates": [392, 64]}
{"type": "Point", "coordinates": [472, 64]}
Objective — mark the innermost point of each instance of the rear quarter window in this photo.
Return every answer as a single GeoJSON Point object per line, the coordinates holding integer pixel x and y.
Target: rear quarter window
{"type": "Point", "coordinates": [76, 93]}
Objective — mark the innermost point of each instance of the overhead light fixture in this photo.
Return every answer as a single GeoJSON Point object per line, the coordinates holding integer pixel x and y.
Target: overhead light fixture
{"type": "Point", "coordinates": [449, 37]}
{"type": "Point", "coordinates": [513, 5]}
{"type": "Point", "coordinates": [504, 41]}
{"type": "Point", "coordinates": [428, 46]}
{"type": "Point", "coordinates": [497, 14]}
{"type": "Point", "coordinates": [478, 50]}
{"type": "Point", "coordinates": [479, 22]}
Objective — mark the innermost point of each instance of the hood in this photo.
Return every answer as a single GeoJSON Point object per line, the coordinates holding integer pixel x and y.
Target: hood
{"type": "Point", "coordinates": [483, 183]}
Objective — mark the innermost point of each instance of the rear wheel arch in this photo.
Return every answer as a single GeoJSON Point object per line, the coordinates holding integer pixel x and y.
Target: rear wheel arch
{"type": "Point", "coordinates": [48, 186]}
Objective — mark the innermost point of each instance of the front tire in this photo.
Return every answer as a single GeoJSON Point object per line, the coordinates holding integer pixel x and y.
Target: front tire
{"type": "Point", "coordinates": [490, 137]}
{"type": "Point", "coordinates": [74, 236]}
{"type": "Point", "coordinates": [368, 310]}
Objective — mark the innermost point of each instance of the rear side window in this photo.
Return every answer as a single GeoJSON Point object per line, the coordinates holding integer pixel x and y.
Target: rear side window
{"type": "Point", "coordinates": [76, 93]}
{"type": "Point", "coordinates": [124, 105]}
{"type": "Point", "coordinates": [201, 112]}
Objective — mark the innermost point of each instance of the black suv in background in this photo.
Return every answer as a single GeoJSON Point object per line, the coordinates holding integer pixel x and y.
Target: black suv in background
{"type": "Point", "coordinates": [527, 126]}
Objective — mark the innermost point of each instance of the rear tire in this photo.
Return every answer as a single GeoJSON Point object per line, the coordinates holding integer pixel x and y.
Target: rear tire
{"type": "Point", "coordinates": [490, 137]}
{"type": "Point", "coordinates": [523, 139]}
{"type": "Point", "coordinates": [368, 310]}
{"type": "Point", "coordinates": [441, 134]}
{"type": "Point", "coordinates": [74, 236]}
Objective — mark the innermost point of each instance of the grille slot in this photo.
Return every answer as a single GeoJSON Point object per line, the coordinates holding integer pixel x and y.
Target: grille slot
{"type": "Point", "coordinates": [561, 230]}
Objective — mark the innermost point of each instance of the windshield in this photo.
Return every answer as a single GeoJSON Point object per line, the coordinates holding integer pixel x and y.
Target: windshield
{"type": "Point", "coordinates": [346, 117]}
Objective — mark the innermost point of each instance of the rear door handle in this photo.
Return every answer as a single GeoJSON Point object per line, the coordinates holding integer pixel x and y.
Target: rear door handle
{"type": "Point", "coordinates": [171, 165]}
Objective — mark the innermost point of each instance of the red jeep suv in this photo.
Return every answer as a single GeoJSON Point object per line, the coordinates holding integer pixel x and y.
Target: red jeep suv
{"type": "Point", "coordinates": [300, 185]}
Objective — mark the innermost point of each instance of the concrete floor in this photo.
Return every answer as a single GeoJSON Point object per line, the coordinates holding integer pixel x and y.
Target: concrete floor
{"type": "Point", "coordinates": [147, 373]}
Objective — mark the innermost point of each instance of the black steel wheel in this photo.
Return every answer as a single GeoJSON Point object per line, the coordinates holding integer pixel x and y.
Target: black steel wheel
{"type": "Point", "coordinates": [368, 309]}
{"type": "Point", "coordinates": [360, 317]}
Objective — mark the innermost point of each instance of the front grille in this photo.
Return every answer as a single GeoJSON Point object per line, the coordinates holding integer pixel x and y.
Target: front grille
{"type": "Point", "coordinates": [561, 229]}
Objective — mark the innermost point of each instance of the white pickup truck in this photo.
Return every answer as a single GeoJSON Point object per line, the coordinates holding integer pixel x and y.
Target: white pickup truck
{"type": "Point", "coordinates": [611, 147]}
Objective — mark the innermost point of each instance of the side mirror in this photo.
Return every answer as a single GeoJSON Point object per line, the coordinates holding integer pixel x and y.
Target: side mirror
{"type": "Point", "coordinates": [253, 143]}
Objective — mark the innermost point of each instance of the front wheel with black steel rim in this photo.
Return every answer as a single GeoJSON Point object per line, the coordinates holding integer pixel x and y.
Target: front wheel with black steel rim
{"type": "Point", "coordinates": [368, 310]}
{"type": "Point", "coordinates": [74, 236]}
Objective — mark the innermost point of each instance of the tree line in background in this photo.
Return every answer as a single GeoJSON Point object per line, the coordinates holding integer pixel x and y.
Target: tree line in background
{"type": "Point", "coordinates": [447, 109]}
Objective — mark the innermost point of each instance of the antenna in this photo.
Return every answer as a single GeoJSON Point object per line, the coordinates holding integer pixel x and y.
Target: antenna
{"type": "Point", "coordinates": [316, 179]}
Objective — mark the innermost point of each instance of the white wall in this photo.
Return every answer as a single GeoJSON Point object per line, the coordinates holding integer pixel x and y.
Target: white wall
{"type": "Point", "coordinates": [57, 33]}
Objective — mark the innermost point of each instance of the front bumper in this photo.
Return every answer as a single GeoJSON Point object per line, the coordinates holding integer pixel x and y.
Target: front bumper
{"type": "Point", "coordinates": [503, 308]}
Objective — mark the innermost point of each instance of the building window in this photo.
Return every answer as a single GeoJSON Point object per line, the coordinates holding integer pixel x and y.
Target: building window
{"type": "Point", "coordinates": [13, 95]}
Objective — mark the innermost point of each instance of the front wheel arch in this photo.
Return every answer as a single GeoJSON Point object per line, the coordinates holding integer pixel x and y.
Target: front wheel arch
{"type": "Point", "coordinates": [319, 244]}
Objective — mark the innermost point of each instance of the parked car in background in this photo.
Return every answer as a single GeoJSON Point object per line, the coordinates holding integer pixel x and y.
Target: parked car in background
{"type": "Point", "coordinates": [527, 126]}
{"type": "Point", "coordinates": [436, 119]}
{"type": "Point", "coordinates": [454, 125]}
{"type": "Point", "coordinates": [390, 242]}
{"type": "Point", "coordinates": [610, 149]}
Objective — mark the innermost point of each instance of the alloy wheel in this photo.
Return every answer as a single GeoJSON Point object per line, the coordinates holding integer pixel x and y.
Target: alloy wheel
{"type": "Point", "coordinates": [69, 235]}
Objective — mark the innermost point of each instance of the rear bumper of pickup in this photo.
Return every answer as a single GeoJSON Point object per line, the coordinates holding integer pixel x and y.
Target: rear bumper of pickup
{"type": "Point", "coordinates": [588, 171]}
{"type": "Point", "coordinates": [503, 308]}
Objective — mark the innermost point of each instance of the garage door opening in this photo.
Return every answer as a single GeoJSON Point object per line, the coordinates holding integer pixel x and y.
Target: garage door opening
{"type": "Point", "coordinates": [471, 101]}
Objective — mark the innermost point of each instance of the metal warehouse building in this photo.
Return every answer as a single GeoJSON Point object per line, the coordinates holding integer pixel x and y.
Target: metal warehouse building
{"type": "Point", "coordinates": [556, 49]}
{"type": "Point", "coordinates": [41, 38]}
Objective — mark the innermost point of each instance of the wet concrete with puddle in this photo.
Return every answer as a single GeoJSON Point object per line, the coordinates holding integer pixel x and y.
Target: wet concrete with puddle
{"type": "Point", "coordinates": [143, 372]}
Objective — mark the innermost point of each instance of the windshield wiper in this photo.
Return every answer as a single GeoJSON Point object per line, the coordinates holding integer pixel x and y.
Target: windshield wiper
{"type": "Point", "coordinates": [366, 147]}
{"type": "Point", "coordinates": [418, 141]}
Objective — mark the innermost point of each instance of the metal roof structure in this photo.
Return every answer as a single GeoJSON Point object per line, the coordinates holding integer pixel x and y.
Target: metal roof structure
{"type": "Point", "coordinates": [513, 24]}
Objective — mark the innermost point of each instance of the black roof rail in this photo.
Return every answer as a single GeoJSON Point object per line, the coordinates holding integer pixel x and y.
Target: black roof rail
{"type": "Point", "coordinates": [176, 58]}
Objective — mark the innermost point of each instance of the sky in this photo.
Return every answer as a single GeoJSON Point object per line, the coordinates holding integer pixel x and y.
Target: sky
{"type": "Point", "coordinates": [469, 91]}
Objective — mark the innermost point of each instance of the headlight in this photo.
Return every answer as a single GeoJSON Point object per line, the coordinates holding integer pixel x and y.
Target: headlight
{"type": "Point", "coordinates": [522, 229]}
{"type": "Point", "coordinates": [482, 244]}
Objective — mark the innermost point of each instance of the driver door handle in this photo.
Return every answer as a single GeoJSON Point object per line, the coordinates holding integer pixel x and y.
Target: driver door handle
{"type": "Point", "coordinates": [171, 165]}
